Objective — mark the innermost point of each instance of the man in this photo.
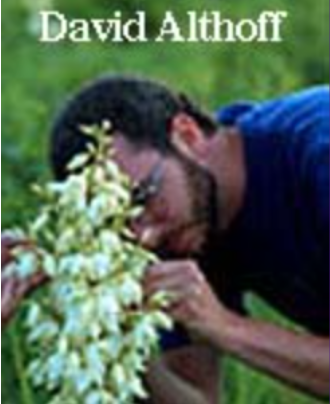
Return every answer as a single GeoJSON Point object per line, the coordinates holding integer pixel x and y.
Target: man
{"type": "Point", "coordinates": [231, 206]}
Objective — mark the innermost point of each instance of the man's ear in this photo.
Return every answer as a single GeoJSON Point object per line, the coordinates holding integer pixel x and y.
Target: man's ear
{"type": "Point", "coordinates": [186, 136]}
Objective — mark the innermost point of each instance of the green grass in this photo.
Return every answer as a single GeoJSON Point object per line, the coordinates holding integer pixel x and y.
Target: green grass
{"type": "Point", "coordinates": [37, 78]}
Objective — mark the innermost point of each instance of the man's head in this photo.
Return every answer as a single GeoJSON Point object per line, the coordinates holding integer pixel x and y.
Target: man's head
{"type": "Point", "coordinates": [159, 141]}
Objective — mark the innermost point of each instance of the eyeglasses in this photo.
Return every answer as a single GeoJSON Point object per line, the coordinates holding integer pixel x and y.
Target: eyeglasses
{"type": "Point", "coordinates": [146, 189]}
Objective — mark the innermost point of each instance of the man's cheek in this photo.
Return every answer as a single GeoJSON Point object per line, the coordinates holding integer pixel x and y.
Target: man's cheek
{"type": "Point", "coordinates": [185, 243]}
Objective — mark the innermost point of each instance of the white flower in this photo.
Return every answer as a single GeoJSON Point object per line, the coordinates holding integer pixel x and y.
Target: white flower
{"type": "Point", "coordinates": [100, 397]}
{"type": "Point", "coordinates": [63, 345]}
{"type": "Point", "coordinates": [66, 240]}
{"type": "Point", "coordinates": [15, 234]}
{"type": "Point", "coordinates": [82, 382]}
{"type": "Point", "coordinates": [101, 265]}
{"type": "Point", "coordinates": [118, 376]}
{"type": "Point", "coordinates": [56, 187]}
{"type": "Point", "coordinates": [99, 209]}
{"type": "Point", "coordinates": [92, 328]}
{"type": "Point", "coordinates": [129, 291]}
{"type": "Point", "coordinates": [95, 363]}
{"type": "Point", "coordinates": [73, 264]}
{"type": "Point", "coordinates": [40, 222]}
{"type": "Point", "coordinates": [112, 346]}
{"type": "Point", "coordinates": [161, 320]}
{"type": "Point", "coordinates": [95, 397]}
{"type": "Point", "coordinates": [78, 161]}
{"type": "Point", "coordinates": [137, 387]}
{"type": "Point", "coordinates": [34, 315]}
{"type": "Point", "coordinates": [107, 304]}
{"type": "Point", "coordinates": [74, 364]}
{"type": "Point", "coordinates": [46, 330]}
{"type": "Point", "coordinates": [49, 264]}
{"type": "Point", "coordinates": [134, 362]}
{"type": "Point", "coordinates": [99, 175]}
{"type": "Point", "coordinates": [145, 333]}
{"type": "Point", "coordinates": [120, 197]}
{"type": "Point", "coordinates": [110, 241]}
{"type": "Point", "coordinates": [78, 319]}
{"type": "Point", "coordinates": [37, 371]}
{"type": "Point", "coordinates": [95, 330]}
{"type": "Point", "coordinates": [112, 169]}
{"type": "Point", "coordinates": [27, 264]}
{"type": "Point", "coordinates": [73, 194]}
{"type": "Point", "coordinates": [56, 366]}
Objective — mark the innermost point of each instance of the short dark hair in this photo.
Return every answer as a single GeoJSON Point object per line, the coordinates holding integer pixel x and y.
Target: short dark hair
{"type": "Point", "coordinates": [141, 110]}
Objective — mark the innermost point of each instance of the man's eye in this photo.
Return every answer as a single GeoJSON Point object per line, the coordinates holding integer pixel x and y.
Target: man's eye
{"type": "Point", "coordinates": [148, 188]}
{"type": "Point", "coordinates": [140, 195]}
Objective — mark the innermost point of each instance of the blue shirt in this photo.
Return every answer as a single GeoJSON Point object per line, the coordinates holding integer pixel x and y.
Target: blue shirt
{"type": "Point", "coordinates": [278, 245]}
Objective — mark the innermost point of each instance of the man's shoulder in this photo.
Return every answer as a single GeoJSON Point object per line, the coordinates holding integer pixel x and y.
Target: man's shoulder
{"type": "Point", "coordinates": [292, 129]}
{"type": "Point", "coordinates": [297, 115]}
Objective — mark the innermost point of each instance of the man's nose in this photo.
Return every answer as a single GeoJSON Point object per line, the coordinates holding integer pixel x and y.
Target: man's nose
{"type": "Point", "coordinates": [148, 235]}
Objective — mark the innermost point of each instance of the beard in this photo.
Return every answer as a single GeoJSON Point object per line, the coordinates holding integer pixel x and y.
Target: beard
{"type": "Point", "coordinates": [205, 210]}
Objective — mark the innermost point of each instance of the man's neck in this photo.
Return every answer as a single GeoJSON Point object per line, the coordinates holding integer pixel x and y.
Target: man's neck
{"type": "Point", "coordinates": [224, 158]}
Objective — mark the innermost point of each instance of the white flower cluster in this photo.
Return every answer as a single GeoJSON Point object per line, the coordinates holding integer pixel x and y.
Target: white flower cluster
{"type": "Point", "coordinates": [94, 331]}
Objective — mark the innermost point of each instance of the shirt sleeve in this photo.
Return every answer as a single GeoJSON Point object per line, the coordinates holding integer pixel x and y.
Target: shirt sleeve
{"type": "Point", "coordinates": [300, 123]}
{"type": "Point", "coordinates": [301, 114]}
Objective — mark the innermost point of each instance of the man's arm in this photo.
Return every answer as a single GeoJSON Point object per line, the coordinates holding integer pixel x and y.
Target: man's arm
{"type": "Point", "coordinates": [189, 375]}
{"type": "Point", "coordinates": [299, 360]}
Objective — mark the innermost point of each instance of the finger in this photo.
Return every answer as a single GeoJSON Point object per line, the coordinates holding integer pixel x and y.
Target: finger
{"type": "Point", "coordinates": [162, 270]}
{"type": "Point", "coordinates": [11, 242]}
{"type": "Point", "coordinates": [180, 312]}
{"type": "Point", "coordinates": [165, 281]}
{"type": "Point", "coordinates": [28, 285]}
{"type": "Point", "coordinates": [8, 241]}
{"type": "Point", "coordinates": [14, 289]}
{"type": "Point", "coordinates": [177, 292]}
{"type": "Point", "coordinates": [8, 298]}
{"type": "Point", "coordinates": [156, 274]}
{"type": "Point", "coordinates": [173, 279]}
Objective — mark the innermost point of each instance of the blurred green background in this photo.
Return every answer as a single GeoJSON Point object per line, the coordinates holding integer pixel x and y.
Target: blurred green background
{"type": "Point", "coordinates": [36, 79]}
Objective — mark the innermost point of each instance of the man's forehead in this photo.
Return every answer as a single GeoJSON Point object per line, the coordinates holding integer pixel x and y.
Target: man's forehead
{"type": "Point", "coordinates": [134, 161]}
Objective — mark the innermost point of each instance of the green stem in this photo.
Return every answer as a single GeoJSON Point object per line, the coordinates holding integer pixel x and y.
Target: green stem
{"type": "Point", "coordinates": [25, 391]}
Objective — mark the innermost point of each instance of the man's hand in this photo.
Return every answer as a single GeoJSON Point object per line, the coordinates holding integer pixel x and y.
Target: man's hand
{"type": "Point", "coordinates": [194, 304]}
{"type": "Point", "coordinates": [299, 359]}
{"type": "Point", "coordinates": [13, 289]}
